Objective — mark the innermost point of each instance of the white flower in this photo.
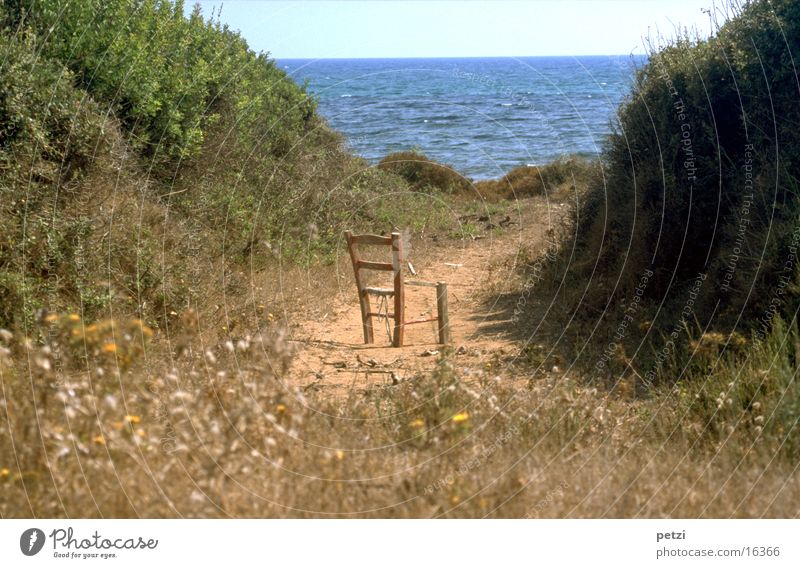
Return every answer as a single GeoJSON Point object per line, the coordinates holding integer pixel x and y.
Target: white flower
{"type": "Point", "coordinates": [110, 401]}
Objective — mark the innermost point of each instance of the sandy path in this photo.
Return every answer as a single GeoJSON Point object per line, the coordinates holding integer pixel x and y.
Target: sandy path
{"type": "Point", "coordinates": [332, 355]}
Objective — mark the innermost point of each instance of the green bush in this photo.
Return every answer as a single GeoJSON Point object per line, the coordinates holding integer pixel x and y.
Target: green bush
{"type": "Point", "coordinates": [48, 128]}
{"type": "Point", "coordinates": [700, 177]}
{"type": "Point", "coordinates": [168, 78]}
{"type": "Point", "coordinates": [49, 133]}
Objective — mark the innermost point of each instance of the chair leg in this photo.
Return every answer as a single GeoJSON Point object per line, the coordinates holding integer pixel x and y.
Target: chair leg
{"type": "Point", "coordinates": [399, 295]}
{"type": "Point", "coordinates": [363, 297]}
{"type": "Point", "coordinates": [399, 317]}
{"type": "Point", "coordinates": [397, 336]}
{"type": "Point", "coordinates": [441, 313]}
{"type": "Point", "coordinates": [366, 320]}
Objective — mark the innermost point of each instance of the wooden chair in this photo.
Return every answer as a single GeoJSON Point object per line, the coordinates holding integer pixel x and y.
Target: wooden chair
{"type": "Point", "coordinates": [397, 291]}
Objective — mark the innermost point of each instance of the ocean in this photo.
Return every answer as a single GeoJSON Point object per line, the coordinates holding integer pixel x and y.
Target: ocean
{"type": "Point", "coordinates": [483, 116]}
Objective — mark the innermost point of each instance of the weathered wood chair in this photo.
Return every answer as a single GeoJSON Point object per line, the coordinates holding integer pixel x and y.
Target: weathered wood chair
{"type": "Point", "coordinates": [397, 291]}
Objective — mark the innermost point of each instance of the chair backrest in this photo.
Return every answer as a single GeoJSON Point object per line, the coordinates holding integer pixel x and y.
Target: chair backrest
{"type": "Point", "coordinates": [395, 241]}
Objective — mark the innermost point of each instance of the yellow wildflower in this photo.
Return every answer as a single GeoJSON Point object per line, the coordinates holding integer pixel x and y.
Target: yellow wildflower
{"type": "Point", "coordinates": [51, 318]}
{"type": "Point", "coordinates": [281, 408]}
{"type": "Point", "coordinates": [99, 439]}
{"type": "Point", "coordinates": [110, 348]}
{"type": "Point", "coordinates": [737, 339]}
{"type": "Point", "coordinates": [339, 455]}
{"type": "Point", "coordinates": [418, 423]}
{"type": "Point", "coordinates": [5, 472]}
{"type": "Point", "coordinates": [140, 433]}
{"type": "Point", "coordinates": [132, 419]}
{"type": "Point", "coordinates": [461, 417]}
{"type": "Point", "coordinates": [713, 337]}
{"type": "Point", "coordinates": [74, 317]}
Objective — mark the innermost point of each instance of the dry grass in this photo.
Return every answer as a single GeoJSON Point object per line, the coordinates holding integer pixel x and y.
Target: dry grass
{"type": "Point", "coordinates": [559, 177]}
{"type": "Point", "coordinates": [90, 430]}
{"type": "Point", "coordinates": [424, 174]}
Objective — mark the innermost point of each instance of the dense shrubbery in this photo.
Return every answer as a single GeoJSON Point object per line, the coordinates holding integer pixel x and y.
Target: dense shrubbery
{"type": "Point", "coordinates": [48, 135]}
{"type": "Point", "coordinates": [48, 129]}
{"type": "Point", "coordinates": [700, 178]}
{"type": "Point", "coordinates": [139, 147]}
{"type": "Point", "coordinates": [166, 77]}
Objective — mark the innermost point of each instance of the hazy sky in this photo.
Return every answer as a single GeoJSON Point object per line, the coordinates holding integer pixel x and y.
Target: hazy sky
{"type": "Point", "coordinates": [471, 28]}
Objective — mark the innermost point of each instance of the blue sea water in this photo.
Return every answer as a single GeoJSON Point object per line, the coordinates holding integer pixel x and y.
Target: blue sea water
{"type": "Point", "coordinates": [483, 116]}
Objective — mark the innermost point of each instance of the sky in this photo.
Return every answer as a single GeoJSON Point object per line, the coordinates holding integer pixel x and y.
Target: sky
{"type": "Point", "coordinates": [467, 28]}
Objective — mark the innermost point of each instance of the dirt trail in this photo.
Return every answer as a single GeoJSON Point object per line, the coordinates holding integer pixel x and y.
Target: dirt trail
{"type": "Point", "coordinates": [332, 355]}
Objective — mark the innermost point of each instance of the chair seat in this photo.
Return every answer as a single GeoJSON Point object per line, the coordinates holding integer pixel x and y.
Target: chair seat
{"type": "Point", "coordinates": [379, 291]}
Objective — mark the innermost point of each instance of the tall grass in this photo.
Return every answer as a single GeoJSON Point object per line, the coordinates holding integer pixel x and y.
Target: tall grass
{"type": "Point", "coordinates": [101, 423]}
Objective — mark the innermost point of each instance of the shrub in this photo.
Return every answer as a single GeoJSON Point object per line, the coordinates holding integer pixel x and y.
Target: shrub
{"type": "Point", "coordinates": [755, 395]}
{"type": "Point", "coordinates": [529, 181]}
{"type": "Point", "coordinates": [699, 179]}
{"type": "Point", "coordinates": [48, 128]}
{"type": "Point", "coordinates": [423, 173]}
{"type": "Point", "coordinates": [168, 78]}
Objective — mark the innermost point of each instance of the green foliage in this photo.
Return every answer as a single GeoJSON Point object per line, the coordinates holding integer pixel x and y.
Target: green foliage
{"type": "Point", "coordinates": [127, 130]}
{"type": "Point", "coordinates": [48, 128]}
{"type": "Point", "coordinates": [49, 132]}
{"type": "Point", "coordinates": [169, 78]}
{"type": "Point", "coordinates": [755, 393]}
{"type": "Point", "coordinates": [701, 177]}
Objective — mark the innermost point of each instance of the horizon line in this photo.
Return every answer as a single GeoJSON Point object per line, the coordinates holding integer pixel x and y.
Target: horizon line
{"type": "Point", "coordinates": [271, 56]}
